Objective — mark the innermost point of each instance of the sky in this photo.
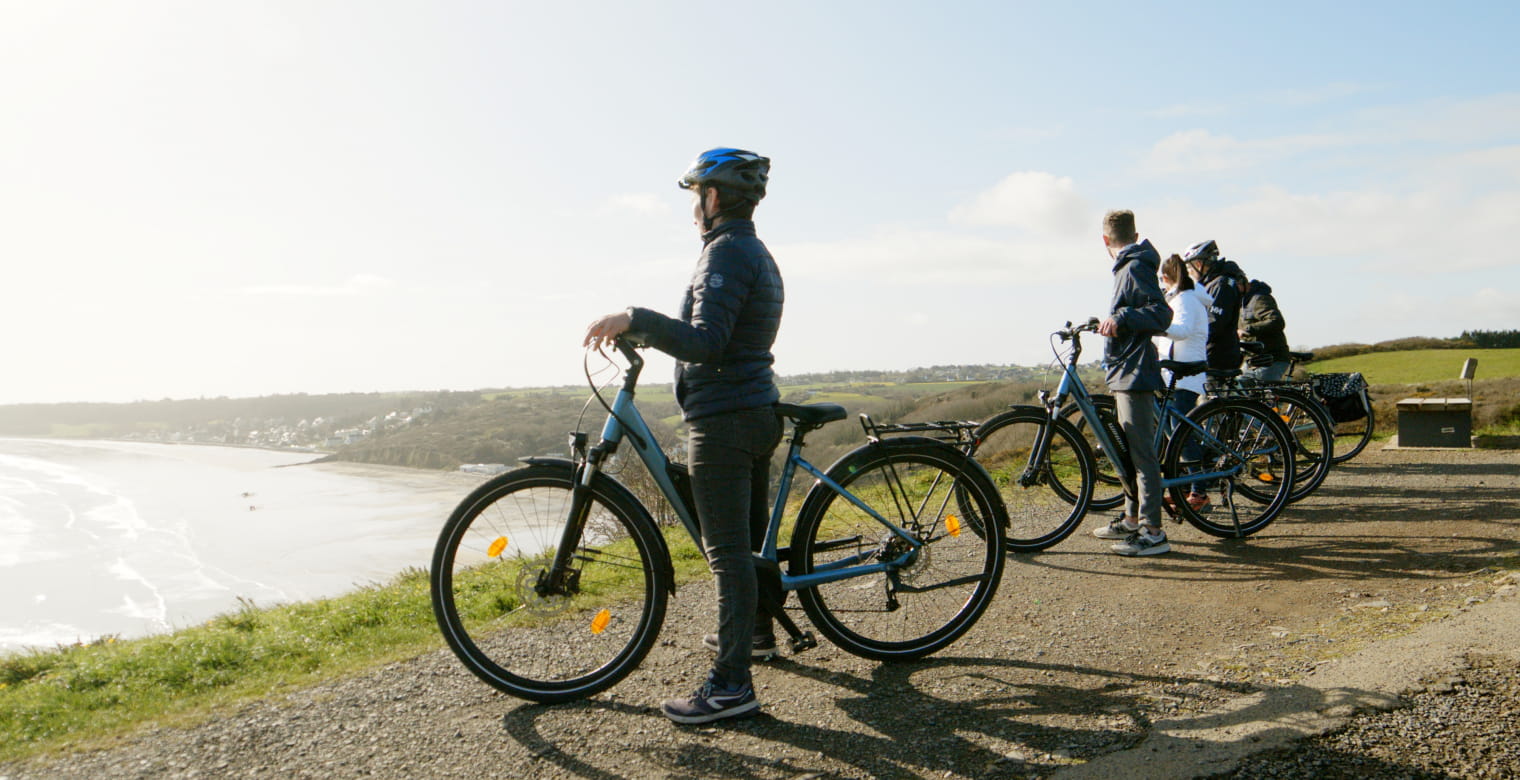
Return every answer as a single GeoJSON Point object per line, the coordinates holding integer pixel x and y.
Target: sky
{"type": "Point", "coordinates": [203, 199]}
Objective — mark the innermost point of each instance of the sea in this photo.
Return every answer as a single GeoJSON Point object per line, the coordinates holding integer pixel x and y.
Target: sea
{"type": "Point", "coordinates": [127, 539]}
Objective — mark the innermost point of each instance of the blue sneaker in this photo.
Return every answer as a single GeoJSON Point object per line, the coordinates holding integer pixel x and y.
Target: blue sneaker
{"type": "Point", "coordinates": [713, 701]}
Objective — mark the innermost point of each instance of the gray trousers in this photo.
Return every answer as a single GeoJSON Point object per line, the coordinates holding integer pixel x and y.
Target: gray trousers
{"type": "Point", "coordinates": [1142, 492]}
{"type": "Point", "coordinates": [730, 459]}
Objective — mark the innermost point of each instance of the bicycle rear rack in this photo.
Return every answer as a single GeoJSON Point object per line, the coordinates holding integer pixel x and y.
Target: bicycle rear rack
{"type": "Point", "coordinates": [953, 431]}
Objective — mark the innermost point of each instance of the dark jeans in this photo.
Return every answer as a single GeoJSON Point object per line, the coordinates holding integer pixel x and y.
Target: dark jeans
{"type": "Point", "coordinates": [730, 461]}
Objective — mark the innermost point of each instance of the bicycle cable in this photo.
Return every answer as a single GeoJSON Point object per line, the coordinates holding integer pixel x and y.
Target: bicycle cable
{"type": "Point", "coordinates": [596, 394]}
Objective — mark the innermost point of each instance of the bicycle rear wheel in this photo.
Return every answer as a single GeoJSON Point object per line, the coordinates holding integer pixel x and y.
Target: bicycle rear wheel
{"type": "Point", "coordinates": [1037, 517]}
{"type": "Point", "coordinates": [925, 598]}
{"type": "Point", "coordinates": [1247, 443]}
{"type": "Point", "coordinates": [537, 639]}
{"type": "Point", "coordinates": [1352, 437]}
{"type": "Point", "coordinates": [1313, 439]}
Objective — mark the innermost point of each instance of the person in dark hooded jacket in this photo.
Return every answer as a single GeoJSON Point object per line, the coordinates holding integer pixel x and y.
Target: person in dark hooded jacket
{"type": "Point", "coordinates": [1261, 320]}
{"type": "Point", "coordinates": [1212, 273]}
{"type": "Point", "coordinates": [1139, 311]}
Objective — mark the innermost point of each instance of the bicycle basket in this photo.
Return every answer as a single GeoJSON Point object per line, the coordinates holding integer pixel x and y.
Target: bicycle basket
{"type": "Point", "coordinates": [1342, 395]}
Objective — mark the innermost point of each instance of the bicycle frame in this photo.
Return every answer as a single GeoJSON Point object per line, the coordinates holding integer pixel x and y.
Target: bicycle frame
{"type": "Point", "coordinates": [625, 422]}
{"type": "Point", "coordinates": [1071, 387]}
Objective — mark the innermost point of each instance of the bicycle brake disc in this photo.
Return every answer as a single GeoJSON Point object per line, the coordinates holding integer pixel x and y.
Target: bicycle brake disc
{"type": "Point", "coordinates": [532, 600]}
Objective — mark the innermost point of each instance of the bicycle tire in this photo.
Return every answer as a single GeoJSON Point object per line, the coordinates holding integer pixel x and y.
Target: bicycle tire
{"type": "Point", "coordinates": [916, 609]}
{"type": "Point", "coordinates": [1259, 437]}
{"type": "Point", "coordinates": [1037, 519]}
{"type": "Point", "coordinates": [1108, 488]}
{"type": "Point", "coordinates": [1352, 437]}
{"type": "Point", "coordinates": [1313, 439]}
{"type": "Point", "coordinates": [549, 648]}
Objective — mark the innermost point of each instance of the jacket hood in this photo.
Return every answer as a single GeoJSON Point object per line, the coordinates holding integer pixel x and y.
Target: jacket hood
{"type": "Point", "coordinates": [1141, 252]}
{"type": "Point", "coordinates": [1197, 291]}
{"type": "Point", "coordinates": [1258, 287]}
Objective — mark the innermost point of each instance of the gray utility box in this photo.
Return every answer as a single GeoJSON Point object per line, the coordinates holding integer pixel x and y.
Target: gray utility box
{"type": "Point", "coordinates": [1435, 422]}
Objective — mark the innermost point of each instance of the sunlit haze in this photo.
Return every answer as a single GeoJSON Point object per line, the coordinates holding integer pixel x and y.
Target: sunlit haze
{"type": "Point", "coordinates": [218, 198]}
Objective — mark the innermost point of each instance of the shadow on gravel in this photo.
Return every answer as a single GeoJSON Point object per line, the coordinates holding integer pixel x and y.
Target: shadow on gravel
{"type": "Point", "coordinates": [1004, 718]}
{"type": "Point", "coordinates": [1299, 558]}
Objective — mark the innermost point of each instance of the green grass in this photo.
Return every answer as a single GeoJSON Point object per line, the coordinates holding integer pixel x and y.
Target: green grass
{"type": "Point", "coordinates": [72, 695]}
{"type": "Point", "coordinates": [1423, 365]}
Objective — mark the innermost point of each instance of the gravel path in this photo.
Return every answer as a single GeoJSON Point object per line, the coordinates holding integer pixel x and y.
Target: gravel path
{"type": "Point", "coordinates": [1218, 659]}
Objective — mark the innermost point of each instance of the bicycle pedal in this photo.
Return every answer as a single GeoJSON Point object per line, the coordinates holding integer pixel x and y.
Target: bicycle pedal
{"type": "Point", "coordinates": [803, 642]}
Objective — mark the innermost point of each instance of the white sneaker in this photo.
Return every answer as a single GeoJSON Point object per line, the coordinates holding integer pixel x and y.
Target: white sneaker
{"type": "Point", "coordinates": [1116, 529]}
{"type": "Point", "coordinates": [1142, 543]}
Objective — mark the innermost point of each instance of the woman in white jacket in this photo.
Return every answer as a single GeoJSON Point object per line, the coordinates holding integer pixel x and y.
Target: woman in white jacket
{"type": "Point", "coordinates": [1186, 340]}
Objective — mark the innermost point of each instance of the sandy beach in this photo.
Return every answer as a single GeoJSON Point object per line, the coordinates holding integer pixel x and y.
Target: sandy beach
{"type": "Point", "coordinates": [127, 538]}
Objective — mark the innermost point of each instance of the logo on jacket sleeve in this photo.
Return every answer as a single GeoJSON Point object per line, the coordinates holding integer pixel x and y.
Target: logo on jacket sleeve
{"type": "Point", "coordinates": [715, 280]}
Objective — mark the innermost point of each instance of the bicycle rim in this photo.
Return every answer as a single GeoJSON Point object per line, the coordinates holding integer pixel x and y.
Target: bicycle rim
{"type": "Point", "coordinates": [1313, 445]}
{"type": "Point", "coordinates": [1352, 437]}
{"type": "Point", "coordinates": [1253, 446]}
{"type": "Point", "coordinates": [1108, 488]}
{"type": "Point", "coordinates": [1046, 511]}
{"type": "Point", "coordinates": [935, 594]}
{"type": "Point", "coordinates": [551, 643]}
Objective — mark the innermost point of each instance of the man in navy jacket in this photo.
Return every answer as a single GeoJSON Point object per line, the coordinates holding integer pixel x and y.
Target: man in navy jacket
{"type": "Point", "coordinates": [1139, 311]}
{"type": "Point", "coordinates": [722, 341]}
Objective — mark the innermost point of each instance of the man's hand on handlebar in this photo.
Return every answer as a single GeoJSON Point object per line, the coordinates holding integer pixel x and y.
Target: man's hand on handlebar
{"type": "Point", "coordinates": [606, 329]}
{"type": "Point", "coordinates": [1108, 327]}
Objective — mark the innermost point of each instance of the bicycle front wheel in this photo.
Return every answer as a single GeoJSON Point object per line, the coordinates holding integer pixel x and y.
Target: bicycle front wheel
{"type": "Point", "coordinates": [526, 631]}
{"type": "Point", "coordinates": [1108, 489]}
{"type": "Point", "coordinates": [1247, 445]}
{"type": "Point", "coordinates": [1045, 500]}
{"type": "Point", "coordinates": [927, 592]}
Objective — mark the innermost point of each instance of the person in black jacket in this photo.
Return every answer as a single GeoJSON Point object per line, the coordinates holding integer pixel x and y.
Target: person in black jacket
{"type": "Point", "coordinates": [1139, 311]}
{"type": "Point", "coordinates": [1212, 272]}
{"type": "Point", "coordinates": [724, 383]}
{"type": "Point", "coordinates": [1261, 320]}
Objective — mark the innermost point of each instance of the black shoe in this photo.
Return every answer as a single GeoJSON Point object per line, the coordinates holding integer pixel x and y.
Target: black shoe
{"type": "Point", "coordinates": [713, 701]}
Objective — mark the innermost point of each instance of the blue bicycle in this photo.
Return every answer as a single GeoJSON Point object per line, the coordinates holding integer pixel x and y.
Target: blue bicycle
{"type": "Point", "coordinates": [550, 582]}
{"type": "Point", "coordinates": [1046, 470]}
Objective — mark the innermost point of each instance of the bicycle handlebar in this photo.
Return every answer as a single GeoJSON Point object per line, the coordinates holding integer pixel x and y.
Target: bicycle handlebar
{"type": "Point", "coordinates": [1070, 332]}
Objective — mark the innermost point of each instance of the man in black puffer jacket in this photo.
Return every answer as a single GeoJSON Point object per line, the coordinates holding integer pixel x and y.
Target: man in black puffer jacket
{"type": "Point", "coordinates": [1261, 320]}
{"type": "Point", "coordinates": [727, 392]}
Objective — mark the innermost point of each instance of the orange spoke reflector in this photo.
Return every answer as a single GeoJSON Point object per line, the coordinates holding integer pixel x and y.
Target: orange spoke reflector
{"type": "Point", "coordinates": [1266, 477]}
{"type": "Point", "coordinates": [599, 623]}
{"type": "Point", "coordinates": [497, 546]}
{"type": "Point", "coordinates": [953, 525]}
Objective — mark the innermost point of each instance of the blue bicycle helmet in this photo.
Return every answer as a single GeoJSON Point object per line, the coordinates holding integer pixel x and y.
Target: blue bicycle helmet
{"type": "Point", "coordinates": [741, 172]}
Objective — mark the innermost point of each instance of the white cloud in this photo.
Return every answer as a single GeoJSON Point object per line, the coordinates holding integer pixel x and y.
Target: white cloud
{"type": "Point", "coordinates": [1031, 200]}
{"type": "Point", "coordinates": [1200, 151]}
{"type": "Point", "coordinates": [1421, 232]}
{"type": "Point", "coordinates": [359, 284]}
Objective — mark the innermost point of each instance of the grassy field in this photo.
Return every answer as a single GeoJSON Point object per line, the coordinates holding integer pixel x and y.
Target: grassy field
{"type": "Point", "coordinates": [1424, 365]}
{"type": "Point", "coordinates": [65, 697]}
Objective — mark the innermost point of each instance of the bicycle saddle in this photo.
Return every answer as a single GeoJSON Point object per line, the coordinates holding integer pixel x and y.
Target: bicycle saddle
{"type": "Point", "coordinates": [1181, 369]}
{"type": "Point", "coordinates": [812, 415]}
{"type": "Point", "coordinates": [1302, 357]}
